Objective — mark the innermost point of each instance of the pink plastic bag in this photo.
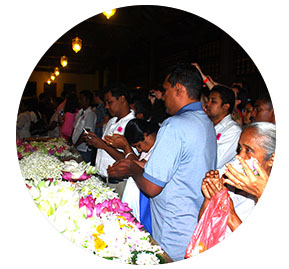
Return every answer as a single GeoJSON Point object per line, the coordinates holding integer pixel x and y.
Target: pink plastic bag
{"type": "Point", "coordinates": [212, 226]}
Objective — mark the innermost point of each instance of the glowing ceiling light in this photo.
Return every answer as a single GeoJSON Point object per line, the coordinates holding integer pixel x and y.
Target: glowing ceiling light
{"type": "Point", "coordinates": [56, 71]}
{"type": "Point", "coordinates": [76, 44]}
{"type": "Point", "coordinates": [63, 61]}
{"type": "Point", "coordinates": [52, 76]}
{"type": "Point", "coordinates": [109, 13]}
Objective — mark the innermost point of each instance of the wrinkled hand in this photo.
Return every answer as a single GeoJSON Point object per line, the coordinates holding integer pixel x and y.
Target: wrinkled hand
{"type": "Point", "coordinates": [212, 184]}
{"type": "Point", "coordinates": [121, 169]}
{"type": "Point", "coordinates": [116, 141]}
{"type": "Point", "coordinates": [93, 140]}
{"type": "Point", "coordinates": [251, 183]}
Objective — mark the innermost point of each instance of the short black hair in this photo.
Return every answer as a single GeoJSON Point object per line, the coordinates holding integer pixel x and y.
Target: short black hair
{"type": "Point", "coordinates": [99, 94]}
{"type": "Point", "coordinates": [143, 106]}
{"type": "Point", "coordinates": [136, 128]}
{"type": "Point", "coordinates": [189, 76]}
{"type": "Point", "coordinates": [71, 103]}
{"type": "Point", "coordinates": [118, 89]}
{"type": "Point", "coordinates": [88, 95]}
{"type": "Point", "coordinates": [227, 95]}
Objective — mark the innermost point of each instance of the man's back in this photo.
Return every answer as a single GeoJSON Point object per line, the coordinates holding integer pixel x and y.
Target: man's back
{"type": "Point", "coordinates": [191, 140]}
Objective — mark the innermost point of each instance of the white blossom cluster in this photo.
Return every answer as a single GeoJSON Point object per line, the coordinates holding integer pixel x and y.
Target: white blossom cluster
{"type": "Point", "coordinates": [144, 258]}
{"type": "Point", "coordinates": [59, 201]}
{"type": "Point", "coordinates": [95, 187]}
{"type": "Point", "coordinates": [38, 166]}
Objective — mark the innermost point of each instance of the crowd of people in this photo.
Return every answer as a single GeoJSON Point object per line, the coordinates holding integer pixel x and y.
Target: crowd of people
{"type": "Point", "coordinates": [169, 151]}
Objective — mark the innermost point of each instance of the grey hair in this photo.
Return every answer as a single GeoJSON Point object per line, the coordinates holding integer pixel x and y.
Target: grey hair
{"type": "Point", "coordinates": [266, 132]}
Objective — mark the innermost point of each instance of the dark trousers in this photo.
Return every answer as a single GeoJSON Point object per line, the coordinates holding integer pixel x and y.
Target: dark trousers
{"type": "Point", "coordinates": [86, 155]}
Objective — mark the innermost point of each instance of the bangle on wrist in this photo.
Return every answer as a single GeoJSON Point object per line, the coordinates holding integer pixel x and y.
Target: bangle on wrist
{"type": "Point", "coordinates": [206, 80]}
{"type": "Point", "coordinates": [127, 155]}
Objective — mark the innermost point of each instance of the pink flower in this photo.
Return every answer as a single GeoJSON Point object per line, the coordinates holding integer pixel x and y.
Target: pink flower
{"type": "Point", "coordinates": [117, 207]}
{"type": "Point", "coordinates": [60, 150]}
{"type": "Point", "coordinates": [19, 155]}
{"type": "Point", "coordinates": [69, 176]}
{"type": "Point", "coordinates": [51, 152]}
{"type": "Point", "coordinates": [28, 147]}
{"type": "Point", "coordinates": [19, 142]}
{"type": "Point", "coordinates": [89, 203]}
{"type": "Point", "coordinates": [218, 136]}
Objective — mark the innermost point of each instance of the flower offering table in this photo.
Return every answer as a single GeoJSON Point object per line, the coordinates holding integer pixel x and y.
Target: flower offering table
{"type": "Point", "coordinates": [81, 206]}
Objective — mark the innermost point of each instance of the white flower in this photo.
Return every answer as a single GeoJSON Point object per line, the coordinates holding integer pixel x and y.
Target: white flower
{"type": "Point", "coordinates": [78, 169]}
{"type": "Point", "coordinates": [39, 166]}
{"type": "Point", "coordinates": [95, 187]}
{"type": "Point", "coordinates": [144, 258]}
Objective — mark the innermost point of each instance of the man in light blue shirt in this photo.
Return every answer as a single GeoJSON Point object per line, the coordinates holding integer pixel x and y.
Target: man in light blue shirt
{"type": "Point", "coordinates": [185, 149]}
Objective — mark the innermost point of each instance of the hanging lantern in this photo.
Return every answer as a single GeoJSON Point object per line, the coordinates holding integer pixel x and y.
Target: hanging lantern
{"type": "Point", "coordinates": [49, 81]}
{"type": "Point", "coordinates": [76, 44]}
{"type": "Point", "coordinates": [52, 76]}
{"type": "Point", "coordinates": [56, 71]}
{"type": "Point", "coordinates": [63, 61]}
{"type": "Point", "coordinates": [109, 13]}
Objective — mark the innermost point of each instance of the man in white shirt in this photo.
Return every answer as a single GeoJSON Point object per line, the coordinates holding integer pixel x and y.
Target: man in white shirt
{"type": "Point", "coordinates": [85, 119]}
{"type": "Point", "coordinates": [116, 102]}
{"type": "Point", "coordinates": [219, 108]}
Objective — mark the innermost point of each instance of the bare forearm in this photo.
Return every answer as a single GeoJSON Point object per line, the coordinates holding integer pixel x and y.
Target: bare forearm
{"type": "Point", "coordinates": [143, 184]}
{"type": "Point", "coordinates": [114, 153]}
{"type": "Point", "coordinates": [203, 207]}
{"type": "Point", "coordinates": [234, 221]}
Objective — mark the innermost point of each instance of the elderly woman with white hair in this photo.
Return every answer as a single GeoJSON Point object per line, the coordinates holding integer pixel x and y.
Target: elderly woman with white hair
{"type": "Point", "coordinates": [256, 152]}
{"type": "Point", "coordinates": [265, 133]}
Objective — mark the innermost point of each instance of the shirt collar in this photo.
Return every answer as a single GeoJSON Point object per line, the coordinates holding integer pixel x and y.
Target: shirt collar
{"type": "Point", "coordinates": [130, 114]}
{"type": "Point", "coordinates": [225, 120]}
{"type": "Point", "coordinates": [190, 107]}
